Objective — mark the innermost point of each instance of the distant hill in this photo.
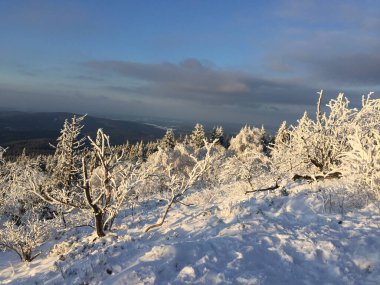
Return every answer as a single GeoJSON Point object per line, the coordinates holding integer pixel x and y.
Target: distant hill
{"type": "Point", "coordinates": [34, 131]}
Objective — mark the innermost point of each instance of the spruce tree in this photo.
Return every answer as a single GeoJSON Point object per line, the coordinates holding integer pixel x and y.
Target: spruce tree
{"type": "Point", "coordinates": [66, 155]}
{"type": "Point", "coordinates": [197, 136]}
{"type": "Point", "coordinates": [168, 141]}
{"type": "Point", "coordinates": [218, 134]}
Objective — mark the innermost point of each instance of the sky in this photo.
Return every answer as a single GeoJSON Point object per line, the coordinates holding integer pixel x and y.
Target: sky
{"type": "Point", "coordinates": [257, 62]}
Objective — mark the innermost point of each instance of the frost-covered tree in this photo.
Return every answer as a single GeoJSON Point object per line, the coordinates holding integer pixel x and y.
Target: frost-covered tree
{"type": "Point", "coordinates": [150, 148]}
{"type": "Point", "coordinates": [197, 137]}
{"type": "Point", "coordinates": [315, 149]}
{"type": "Point", "coordinates": [281, 144]}
{"type": "Point", "coordinates": [24, 235]}
{"type": "Point", "coordinates": [249, 138]}
{"type": "Point", "coordinates": [312, 147]}
{"type": "Point", "coordinates": [246, 160]}
{"type": "Point", "coordinates": [26, 221]}
{"type": "Point", "coordinates": [361, 163]}
{"type": "Point", "coordinates": [218, 135]}
{"type": "Point", "coordinates": [2, 152]}
{"type": "Point", "coordinates": [136, 152]}
{"type": "Point", "coordinates": [68, 161]}
{"type": "Point", "coordinates": [105, 185]}
{"type": "Point", "coordinates": [178, 170]}
{"type": "Point", "coordinates": [168, 141]}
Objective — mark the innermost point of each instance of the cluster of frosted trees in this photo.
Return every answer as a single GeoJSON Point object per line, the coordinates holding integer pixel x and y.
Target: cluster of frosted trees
{"type": "Point", "coordinates": [88, 181]}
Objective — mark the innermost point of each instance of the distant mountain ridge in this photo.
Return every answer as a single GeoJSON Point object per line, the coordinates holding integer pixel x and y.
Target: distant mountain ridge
{"type": "Point", "coordinates": [34, 131]}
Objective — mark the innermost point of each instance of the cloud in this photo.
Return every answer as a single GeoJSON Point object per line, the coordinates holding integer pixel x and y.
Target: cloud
{"type": "Point", "coordinates": [332, 44]}
{"type": "Point", "coordinates": [191, 80]}
{"type": "Point", "coordinates": [348, 70]}
{"type": "Point", "coordinates": [77, 102]}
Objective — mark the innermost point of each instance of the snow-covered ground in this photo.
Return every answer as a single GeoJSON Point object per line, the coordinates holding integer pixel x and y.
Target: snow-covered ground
{"type": "Point", "coordinates": [221, 237]}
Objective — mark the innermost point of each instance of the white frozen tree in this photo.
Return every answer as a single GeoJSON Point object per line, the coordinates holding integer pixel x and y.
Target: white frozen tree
{"type": "Point", "coordinates": [106, 185]}
{"type": "Point", "coordinates": [24, 236]}
{"type": "Point", "coordinates": [67, 167]}
{"type": "Point", "coordinates": [168, 141]}
{"type": "Point", "coordinates": [312, 148]}
{"type": "Point", "coordinates": [246, 160]}
{"type": "Point", "coordinates": [66, 161]}
{"type": "Point", "coordinates": [26, 220]}
{"type": "Point", "coordinates": [2, 151]}
{"type": "Point", "coordinates": [178, 170]}
{"type": "Point", "coordinates": [197, 137]}
{"type": "Point", "coordinates": [362, 162]}
{"type": "Point", "coordinates": [248, 139]}
{"type": "Point", "coordinates": [218, 135]}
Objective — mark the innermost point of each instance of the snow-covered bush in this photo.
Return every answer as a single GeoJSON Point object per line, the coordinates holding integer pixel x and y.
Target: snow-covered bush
{"type": "Point", "coordinates": [218, 154]}
{"type": "Point", "coordinates": [24, 235]}
{"type": "Point", "coordinates": [246, 161]}
{"type": "Point", "coordinates": [313, 147]}
{"type": "Point", "coordinates": [177, 171]}
{"type": "Point", "coordinates": [16, 200]}
{"type": "Point", "coordinates": [26, 220]}
{"type": "Point", "coordinates": [248, 139]}
{"type": "Point", "coordinates": [249, 167]}
{"type": "Point", "coordinates": [362, 163]}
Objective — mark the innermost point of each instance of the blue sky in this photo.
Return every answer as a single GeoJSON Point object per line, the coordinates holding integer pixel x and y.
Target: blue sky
{"type": "Point", "coordinates": [238, 61]}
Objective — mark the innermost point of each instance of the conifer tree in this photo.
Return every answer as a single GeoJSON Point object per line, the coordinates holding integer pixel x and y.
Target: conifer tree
{"type": "Point", "coordinates": [68, 162]}
{"type": "Point", "coordinates": [218, 134]}
{"type": "Point", "coordinates": [197, 136]}
{"type": "Point", "coordinates": [168, 141]}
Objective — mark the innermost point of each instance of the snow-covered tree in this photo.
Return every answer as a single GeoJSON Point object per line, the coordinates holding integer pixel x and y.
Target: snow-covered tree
{"type": "Point", "coordinates": [197, 137]}
{"type": "Point", "coordinates": [362, 162]}
{"type": "Point", "coordinates": [246, 160]}
{"type": "Point", "coordinates": [26, 221]}
{"type": "Point", "coordinates": [106, 184]}
{"type": "Point", "coordinates": [248, 139]}
{"type": "Point", "coordinates": [313, 147]}
{"type": "Point", "coordinates": [136, 152]}
{"type": "Point", "coordinates": [68, 161]}
{"type": "Point", "coordinates": [168, 141]}
{"type": "Point", "coordinates": [178, 170]}
{"type": "Point", "coordinates": [218, 135]}
{"type": "Point", "coordinates": [2, 151]}
{"type": "Point", "coordinates": [151, 147]}
{"type": "Point", "coordinates": [24, 235]}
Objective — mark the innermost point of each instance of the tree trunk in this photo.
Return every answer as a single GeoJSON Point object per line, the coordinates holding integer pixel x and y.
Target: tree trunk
{"type": "Point", "coordinates": [99, 226]}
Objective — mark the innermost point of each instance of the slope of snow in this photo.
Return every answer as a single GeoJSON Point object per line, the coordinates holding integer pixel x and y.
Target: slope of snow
{"type": "Point", "coordinates": [222, 237]}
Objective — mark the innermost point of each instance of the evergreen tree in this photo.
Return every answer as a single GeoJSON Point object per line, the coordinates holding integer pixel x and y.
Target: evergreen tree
{"type": "Point", "coordinates": [150, 148]}
{"type": "Point", "coordinates": [283, 135]}
{"type": "Point", "coordinates": [66, 156]}
{"type": "Point", "coordinates": [197, 136]}
{"type": "Point", "coordinates": [218, 134]}
{"type": "Point", "coordinates": [168, 141]}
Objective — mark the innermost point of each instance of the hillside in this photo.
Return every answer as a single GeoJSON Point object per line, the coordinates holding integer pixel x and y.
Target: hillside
{"type": "Point", "coordinates": [34, 131]}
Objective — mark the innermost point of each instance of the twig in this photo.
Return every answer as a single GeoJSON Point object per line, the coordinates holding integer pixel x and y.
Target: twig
{"type": "Point", "coordinates": [264, 189]}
